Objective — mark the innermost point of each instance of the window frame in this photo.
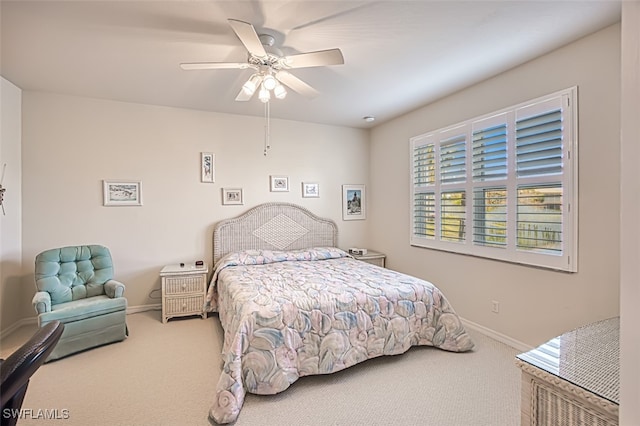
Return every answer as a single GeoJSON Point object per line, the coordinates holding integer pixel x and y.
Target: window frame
{"type": "Point", "coordinates": [566, 259]}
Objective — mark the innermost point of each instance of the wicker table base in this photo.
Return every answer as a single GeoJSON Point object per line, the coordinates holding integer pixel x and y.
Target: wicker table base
{"type": "Point", "coordinates": [573, 379]}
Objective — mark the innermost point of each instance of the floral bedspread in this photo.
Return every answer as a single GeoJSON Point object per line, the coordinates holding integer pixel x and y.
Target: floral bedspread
{"type": "Point", "coordinates": [316, 311]}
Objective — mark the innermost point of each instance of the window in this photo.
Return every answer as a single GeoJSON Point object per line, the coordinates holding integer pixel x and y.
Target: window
{"type": "Point", "coordinates": [501, 186]}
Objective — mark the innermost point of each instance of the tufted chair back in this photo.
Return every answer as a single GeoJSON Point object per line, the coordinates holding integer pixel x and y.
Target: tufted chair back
{"type": "Point", "coordinates": [72, 273]}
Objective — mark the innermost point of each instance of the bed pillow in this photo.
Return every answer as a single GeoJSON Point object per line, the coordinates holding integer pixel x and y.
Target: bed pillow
{"type": "Point", "coordinates": [261, 257]}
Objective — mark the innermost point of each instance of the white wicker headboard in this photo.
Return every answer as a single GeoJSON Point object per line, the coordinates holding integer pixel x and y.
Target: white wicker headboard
{"type": "Point", "coordinates": [273, 226]}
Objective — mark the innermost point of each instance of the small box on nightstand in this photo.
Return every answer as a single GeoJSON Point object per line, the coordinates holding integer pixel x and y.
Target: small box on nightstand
{"type": "Point", "coordinates": [370, 256]}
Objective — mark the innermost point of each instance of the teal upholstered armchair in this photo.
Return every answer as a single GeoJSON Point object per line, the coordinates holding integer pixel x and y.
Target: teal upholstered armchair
{"type": "Point", "coordinates": [76, 287]}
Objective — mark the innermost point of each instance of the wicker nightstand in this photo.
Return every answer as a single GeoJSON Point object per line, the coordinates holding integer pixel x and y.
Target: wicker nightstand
{"type": "Point", "coordinates": [373, 257]}
{"type": "Point", "coordinates": [184, 289]}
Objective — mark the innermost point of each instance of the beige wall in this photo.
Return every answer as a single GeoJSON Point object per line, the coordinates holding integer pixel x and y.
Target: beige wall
{"type": "Point", "coordinates": [11, 288]}
{"type": "Point", "coordinates": [535, 304]}
{"type": "Point", "coordinates": [71, 144]}
{"type": "Point", "coordinates": [630, 212]}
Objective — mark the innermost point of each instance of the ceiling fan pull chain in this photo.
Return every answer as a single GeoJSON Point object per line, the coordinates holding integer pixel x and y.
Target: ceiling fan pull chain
{"type": "Point", "coordinates": [267, 128]}
{"type": "Point", "coordinates": [2, 190]}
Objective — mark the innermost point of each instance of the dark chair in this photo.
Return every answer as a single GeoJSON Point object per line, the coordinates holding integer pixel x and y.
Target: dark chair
{"type": "Point", "coordinates": [18, 368]}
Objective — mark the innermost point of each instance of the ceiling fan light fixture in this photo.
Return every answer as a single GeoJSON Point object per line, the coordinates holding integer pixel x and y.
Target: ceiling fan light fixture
{"type": "Point", "coordinates": [269, 82]}
{"type": "Point", "coordinates": [280, 92]}
{"type": "Point", "coordinates": [270, 68]}
{"type": "Point", "coordinates": [251, 85]}
{"type": "Point", "coordinates": [264, 94]}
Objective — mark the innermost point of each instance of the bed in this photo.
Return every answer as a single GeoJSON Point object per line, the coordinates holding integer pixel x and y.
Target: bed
{"type": "Point", "coordinates": [292, 304]}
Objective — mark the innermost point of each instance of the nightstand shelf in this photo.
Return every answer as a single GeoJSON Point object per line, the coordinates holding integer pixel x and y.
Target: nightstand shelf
{"type": "Point", "coordinates": [373, 257]}
{"type": "Point", "coordinates": [184, 289]}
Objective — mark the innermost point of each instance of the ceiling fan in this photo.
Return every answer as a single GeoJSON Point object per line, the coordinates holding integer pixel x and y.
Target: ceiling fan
{"type": "Point", "coordinates": [271, 67]}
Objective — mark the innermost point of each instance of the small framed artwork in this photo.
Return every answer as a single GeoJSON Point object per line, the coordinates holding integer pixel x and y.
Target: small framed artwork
{"type": "Point", "coordinates": [279, 184]}
{"type": "Point", "coordinates": [231, 196]}
{"type": "Point", "coordinates": [207, 167]}
{"type": "Point", "coordinates": [353, 202]}
{"type": "Point", "coordinates": [122, 193]}
{"type": "Point", "coordinates": [310, 189]}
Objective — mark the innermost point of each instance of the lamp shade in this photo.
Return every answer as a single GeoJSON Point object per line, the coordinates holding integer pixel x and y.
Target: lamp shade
{"type": "Point", "coordinates": [280, 92]}
{"type": "Point", "coordinates": [269, 82]}
{"type": "Point", "coordinates": [251, 85]}
{"type": "Point", "coordinates": [264, 94]}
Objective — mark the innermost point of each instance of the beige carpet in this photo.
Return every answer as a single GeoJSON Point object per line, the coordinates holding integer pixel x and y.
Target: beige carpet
{"type": "Point", "coordinates": [166, 374]}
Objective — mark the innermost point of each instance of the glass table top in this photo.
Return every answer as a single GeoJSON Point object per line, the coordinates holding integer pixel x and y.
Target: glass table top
{"type": "Point", "coordinates": [587, 357]}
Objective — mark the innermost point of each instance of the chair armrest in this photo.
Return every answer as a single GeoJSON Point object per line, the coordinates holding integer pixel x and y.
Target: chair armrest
{"type": "Point", "coordinates": [42, 302]}
{"type": "Point", "coordinates": [114, 289]}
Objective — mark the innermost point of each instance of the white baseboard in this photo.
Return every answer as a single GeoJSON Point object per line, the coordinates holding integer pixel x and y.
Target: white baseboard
{"type": "Point", "coordinates": [16, 325]}
{"type": "Point", "coordinates": [144, 308]}
{"type": "Point", "coordinates": [502, 338]}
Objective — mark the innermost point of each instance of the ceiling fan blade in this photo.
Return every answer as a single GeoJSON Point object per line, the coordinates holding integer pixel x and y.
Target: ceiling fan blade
{"type": "Point", "coordinates": [213, 65]}
{"type": "Point", "coordinates": [314, 59]}
{"type": "Point", "coordinates": [248, 36]}
{"type": "Point", "coordinates": [347, 11]}
{"type": "Point", "coordinates": [296, 84]}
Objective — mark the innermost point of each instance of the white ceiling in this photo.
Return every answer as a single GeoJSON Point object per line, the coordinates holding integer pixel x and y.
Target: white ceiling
{"type": "Point", "coordinates": [398, 54]}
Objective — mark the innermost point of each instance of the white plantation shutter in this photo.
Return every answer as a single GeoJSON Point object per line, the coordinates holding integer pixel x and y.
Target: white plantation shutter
{"type": "Point", "coordinates": [490, 139]}
{"type": "Point", "coordinates": [502, 186]}
{"type": "Point", "coordinates": [453, 159]}
{"type": "Point", "coordinates": [424, 215]}
{"type": "Point", "coordinates": [540, 219]}
{"type": "Point", "coordinates": [452, 216]}
{"type": "Point", "coordinates": [490, 217]}
{"type": "Point", "coordinates": [490, 153]}
{"type": "Point", "coordinates": [424, 164]}
{"type": "Point", "coordinates": [542, 211]}
{"type": "Point", "coordinates": [539, 144]}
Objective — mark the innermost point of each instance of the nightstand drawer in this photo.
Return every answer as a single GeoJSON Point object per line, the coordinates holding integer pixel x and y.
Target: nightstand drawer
{"type": "Point", "coordinates": [182, 285]}
{"type": "Point", "coordinates": [184, 305]}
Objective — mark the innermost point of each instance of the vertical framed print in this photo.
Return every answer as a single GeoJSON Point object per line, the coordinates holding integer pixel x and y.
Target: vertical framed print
{"type": "Point", "coordinates": [353, 202]}
{"type": "Point", "coordinates": [207, 167]}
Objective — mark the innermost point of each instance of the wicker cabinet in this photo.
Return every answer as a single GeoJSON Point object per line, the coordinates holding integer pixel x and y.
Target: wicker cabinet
{"type": "Point", "coordinates": [184, 289]}
{"type": "Point", "coordinates": [372, 257]}
{"type": "Point", "coordinates": [573, 379]}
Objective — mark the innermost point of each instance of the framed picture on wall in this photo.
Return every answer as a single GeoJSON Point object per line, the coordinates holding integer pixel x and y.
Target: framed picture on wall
{"type": "Point", "coordinates": [232, 196]}
{"type": "Point", "coordinates": [353, 202]}
{"type": "Point", "coordinates": [122, 193]}
{"type": "Point", "coordinates": [279, 184]}
{"type": "Point", "coordinates": [310, 189]}
{"type": "Point", "coordinates": [207, 167]}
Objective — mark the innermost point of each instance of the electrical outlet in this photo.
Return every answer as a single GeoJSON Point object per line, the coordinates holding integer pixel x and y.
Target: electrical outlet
{"type": "Point", "coordinates": [495, 306]}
